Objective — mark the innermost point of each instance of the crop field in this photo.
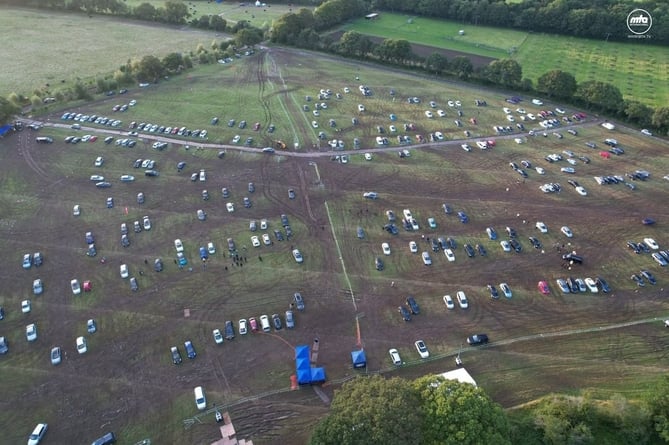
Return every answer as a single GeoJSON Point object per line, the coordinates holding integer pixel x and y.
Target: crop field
{"type": "Point", "coordinates": [127, 383]}
{"type": "Point", "coordinates": [637, 69]}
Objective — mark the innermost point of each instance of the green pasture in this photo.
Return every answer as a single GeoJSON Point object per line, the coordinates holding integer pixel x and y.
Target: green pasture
{"type": "Point", "coordinates": [639, 70]}
{"type": "Point", "coordinates": [480, 40]}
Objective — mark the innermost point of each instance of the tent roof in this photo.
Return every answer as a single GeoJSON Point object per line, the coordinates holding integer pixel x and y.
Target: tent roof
{"type": "Point", "coordinates": [304, 376]}
{"type": "Point", "coordinates": [302, 351]}
{"type": "Point", "coordinates": [302, 363]}
{"type": "Point", "coordinates": [358, 356]}
{"type": "Point", "coordinates": [317, 374]}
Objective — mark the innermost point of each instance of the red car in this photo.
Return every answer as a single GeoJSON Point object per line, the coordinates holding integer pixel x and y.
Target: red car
{"type": "Point", "coordinates": [253, 324]}
{"type": "Point", "coordinates": [256, 126]}
{"type": "Point", "coordinates": [93, 139]}
{"type": "Point", "coordinates": [543, 288]}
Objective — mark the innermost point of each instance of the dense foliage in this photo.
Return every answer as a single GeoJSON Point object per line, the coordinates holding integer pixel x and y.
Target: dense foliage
{"type": "Point", "coordinates": [597, 19]}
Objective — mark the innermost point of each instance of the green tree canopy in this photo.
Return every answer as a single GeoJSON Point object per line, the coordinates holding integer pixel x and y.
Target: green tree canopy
{"type": "Point", "coordinates": [659, 402]}
{"type": "Point", "coordinates": [7, 110]}
{"type": "Point", "coordinates": [369, 411]}
{"type": "Point", "coordinates": [557, 83]}
{"type": "Point", "coordinates": [459, 414]}
{"type": "Point", "coordinates": [600, 94]}
{"type": "Point", "coordinates": [146, 11]}
{"type": "Point", "coordinates": [436, 63]}
{"type": "Point", "coordinates": [506, 72]}
{"type": "Point", "coordinates": [661, 119]}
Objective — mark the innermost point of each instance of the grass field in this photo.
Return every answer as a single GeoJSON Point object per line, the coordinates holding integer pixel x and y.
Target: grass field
{"type": "Point", "coordinates": [638, 70]}
{"type": "Point", "coordinates": [140, 394]}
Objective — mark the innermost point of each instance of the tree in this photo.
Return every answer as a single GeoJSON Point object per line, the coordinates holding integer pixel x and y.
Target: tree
{"type": "Point", "coordinates": [564, 420]}
{"type": "Point", "coordinates": [150, 69]}
{"type": "Point", "coordinates": [173, 62]}
{"type": "Point", "coordinates": [369, 411]}
{"type": "Point", "coordinates": [661, 119]}
{"type": "Point", "coordinates": [557, 83]}
{"type": "Point", "coordinates": [217, 23]}
{"type": "Point", "coordinates": [248, 36]}
{"type": "Point", "coordinates": [459, 413]}
{"type": "Point", "coordinates": [436, 62]}
{"type": "Point", "coordinates": [600, 94]}
{"type": "Point", "coordinates": [145, 11]}
{"type": "Point", "coordinates": [638, 113]}
{"type": "Point", "coordinates": [175, 12]}
{"type": "Point", "coordinates": [7, 110]}
{"type": "Point", "coordinates": [461, 66]}
{"type": "Point", "coordinates": [505, 72]}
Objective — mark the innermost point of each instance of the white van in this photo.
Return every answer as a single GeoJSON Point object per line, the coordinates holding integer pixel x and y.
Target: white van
{"type": "Point", "coordinates": [200, 399]}
{"type": "Point", "coordinates": [608, 126]}
{"type": "Point", "coordinates": [264, 323]}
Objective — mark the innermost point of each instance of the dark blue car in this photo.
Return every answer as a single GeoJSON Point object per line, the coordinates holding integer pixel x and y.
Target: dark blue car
{"type": "Point", "coordinates": [190, 350]}
{"type": "Point", "coordinates": [463, 217]}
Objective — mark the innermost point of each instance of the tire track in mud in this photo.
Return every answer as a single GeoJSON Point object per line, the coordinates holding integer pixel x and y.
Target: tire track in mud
{"type": "Point", "coordinates": [24, 151]}
{"type": "Point", "coordinates": [261, 77]}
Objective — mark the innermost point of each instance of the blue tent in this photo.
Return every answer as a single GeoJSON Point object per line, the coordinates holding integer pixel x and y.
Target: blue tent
{"type": "Point", "coordinates": [302, 363]}
{"type": "Point", "coordinates": [302, 351]}
{"type": "Point", "coordinates": [359, 359]}
{"type": "Point", "coordinates": [5, 129]}
{"type": "Point", "coordinates": [317, 375]}
{"type": "Point", "coordinates": [304, 376]}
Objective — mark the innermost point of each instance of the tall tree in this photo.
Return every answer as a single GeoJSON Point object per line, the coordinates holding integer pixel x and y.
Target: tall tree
{"type": "Point", "coordinates": [661, 122]}
{"type": "Point", "coordinates": [371, 411]}
{"type": "Point", "coordinates": [505, 72]}
{"type": "Point", "coordinates": [7, 110]}
{"type": "Point", "coordinates": [145, 11]}
{"type": "Point", "coordinates": [659, 399]}
{"type": "Point", "coordinates": [455, 413]}
{"type": "Point", "coordinates": [461, 66]}
{"type": "Point", "coordinates": [436, 62]}
{"type": "Point", "coordinates": [149, 69]}
{"type": "Point", "coordinates": [557, 83]}
{"type": "Point", "coordinates": [176, 12]}
{"type": "Point", "coordinates": [600, 94]}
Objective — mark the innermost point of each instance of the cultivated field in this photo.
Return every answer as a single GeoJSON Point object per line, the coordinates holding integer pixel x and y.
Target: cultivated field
{"type": "Point", "coordinates": [637, 69]}
{"type": "Point", "coordinates": [127, 383]}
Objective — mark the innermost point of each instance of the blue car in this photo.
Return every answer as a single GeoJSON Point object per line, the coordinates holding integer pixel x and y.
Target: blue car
{"type": "Point", "coordinates": [190, 350]}
{"type": "Point", "coordinates": [203, 253]}
{"type": "Point", "coordinates": [491, 233]}
{"type": "Point", "coordinates": [463, 217]}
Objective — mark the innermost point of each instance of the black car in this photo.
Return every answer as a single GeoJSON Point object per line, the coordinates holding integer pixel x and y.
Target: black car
{"type": "Point", "coordinates": [404, 312]}
{"type": "Point", "coordinates": [649, 277]}
{"type": "Point", "coordinates": [158, 265]}
{"type": "Point", "coordinates": [447, 209]}
{"type": "Point", "coordinates": [481, 250]}
{"type": "Point", "coordinates": [603, 285]}
{"type": "Point", "coordinates": [378, 263]}
{"type": "Point", "coordinates": [634, 246]}
{"type": "Point", "coordinates": [451, 243]}
{"type": "Point", "coordinates": [299, 301]}
{"type": "Point", "coordinates": [442, 243]}
{"type": "Point", "coordinates": [638, 280]}
{"type": "Point", "coordinates": [278, 234]}
{"type": "Point", "coordinates": [573, 285]}
{"type": "Point", "coordinates": [284, 220]}
{"type": "Point", "coordinates": [477, 339]}
{"type": "Point", "coordinates": [515, 245]}
{"type": "Point", "coordinates": [435, 245]}
{"type": "Point", "coordinates": [535, 242]}
{"type": "Point", "coordinates": [230, 330]}
{"type": "Point", "coordinates": [413, 306]}
{"type": "Point", "coordinates": [494, 293]}
{"type": "Point", "coordinates": [511, 231]}
{"type": "Point", "coordinates": [176, 355]}
{"type": "Point", "coordinates": [469, 250]}
{"type": "Point", "coordinates": [2, 313]}
{"type": "Point", "coordinates": [277, 322]}
{"type": "Point", "coordinates": [573, 258]}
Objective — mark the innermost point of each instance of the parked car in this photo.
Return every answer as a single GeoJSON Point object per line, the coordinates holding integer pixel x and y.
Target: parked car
{"type": "Point", "coordinates": [421, 347]}
{"type": "Point", "coordinates": [82, 345]}
{"type": "Point", "coordinates": [190, 349]}
{"type": "Point", "coordinates": [477, 339]}
{"type": "Point", "coordinates": [38, 433]}
{"type": "Point", "coordinates": [462, 300]}
{"type": "Point", "coordinates": [176, 355]}
{"type": "Point", "coordinates": [404, 313]}
{"type": "Point", "coordinates": [56, 355]}
{"type": "Point", "coordinates": [543, 287]}
{"type": "Point", "coordinates": [218, 337]}
{"type": "Point", "coordinates": [413, 305]}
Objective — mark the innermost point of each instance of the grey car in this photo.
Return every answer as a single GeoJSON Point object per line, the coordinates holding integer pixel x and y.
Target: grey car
{"type": "Point", "coordinates": [133, 284]}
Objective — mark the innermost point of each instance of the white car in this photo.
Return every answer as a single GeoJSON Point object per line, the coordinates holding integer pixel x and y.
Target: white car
{"type": "Point", "coordinates": [540, 170]}
{"type": "Point", "coordinates": [542, 227]}
{"type": "Point", "coordinates": [386, 248]}
{"type": "Point", "coordinates": [127, 178]}
{"type": "Point", "coordinates": [76, 288]}
{"type": "Point", "coordinates": [97, 178]}
{"type": "Point", "coordinates": [218, 337]}
{"type": "Point", "coordinates": [31, 332]}
{"type": "Point", "coordinates": [450, 256]}
{"type": "Point", "coordinates": [429, 114]}
{"type": "Point", "coordinates": [230, 207]}
{"type": "Point", "coordinates": [38, 288]}
{"type": "Point", "coordinates": [200, 399]}
{"type": "Point", "coordinates": [466, 147]}
{"type": "Point", "coordinates": [448, 301]}
{"type": "Point", "coordinates": [441, 113]}
{"type": "Point", "coordinates": [202, 175]}
{"type": "Point", "coordinates": [422, 349]}
{"type": "Point", "coordinates": [395, 357]}
{"type": "Point", "coordinates": [299, 259]}
{"type": "Point", "coordinates": [76, 210]}
{"type": "Point", "coordinates": [210, 248]}
{"type": "Point", "coordinates": [537, 102]}
{"type": "Point", "coordinates": [255, 241]}
{"type": "Point", "coordinates": [236, 139]}
{"type": "Point", "coordinates": [178, 245]}
{"type": "Point", "coordinates": [651, 243]}
{"type": "Point", "coordinates": [427, 260]}
{"type": "Point", "coordinates": [646, 132]}
{"type": "Point", "coordinates": [99, 161]}
{"type": "Point", "coordinates": [566, 231]}
{"type": "Point", "coordinates": [266, 240]}
{"type": "Point", "coordinates": [368, 156]}
{"type": "Point", "coordinates": [506, 246]}
{"type": "Point", "coordinates": [413, 247]}
{"type": "Point", "coordinates": [462, 300]}
{"type": "Point", "coordinates": [263, 224]}
{"type": "Point", "coordinates": [581, 191]}
{"type": "Point", "coordinates": [592, 285]}
{"type": "Point", "coordinates": [82, 346]}
{"type": "Point", "coordinates": [123, 269]}
{"type": "Point", "coordinates": [37, 434]}
{"type": "Point", "coordinates": [25, 306]}
{"type": "Point", "coordinates": [146, 222]}
{"type": "Point", "coordinates": [506, 290]}
{"type": "Point", "coordinates": [569, 170]}
{"type": "Point", "coordinates": [243, 327]}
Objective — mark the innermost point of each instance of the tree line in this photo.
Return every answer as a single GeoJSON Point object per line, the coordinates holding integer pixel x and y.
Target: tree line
{"type": "Point", "coordinates": [435, 411]}
{"type": "Point", "coordinates": [595, 19]}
